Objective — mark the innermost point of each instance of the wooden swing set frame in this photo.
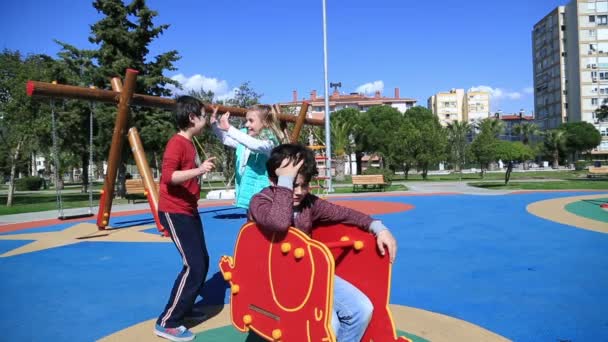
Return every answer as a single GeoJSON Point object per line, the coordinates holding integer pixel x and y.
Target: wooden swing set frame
{"type": "Point", "coordinates": [124, 97]}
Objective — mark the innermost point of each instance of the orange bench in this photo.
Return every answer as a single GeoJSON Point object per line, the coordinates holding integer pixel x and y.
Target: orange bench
{"type": "Point", "coordinates": [135, 189]}
{"type": "Point", "coordinates": [595, 171]}
{"type": "Point", "coordinates": [368, 182]}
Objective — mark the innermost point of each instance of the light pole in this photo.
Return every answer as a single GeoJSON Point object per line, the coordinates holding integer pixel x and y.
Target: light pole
{"type": "Point", "coordinates": [327, 125]}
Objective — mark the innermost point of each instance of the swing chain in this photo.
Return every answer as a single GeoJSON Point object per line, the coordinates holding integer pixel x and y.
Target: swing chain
{"type": "Point", "coordinates": [56, 159]}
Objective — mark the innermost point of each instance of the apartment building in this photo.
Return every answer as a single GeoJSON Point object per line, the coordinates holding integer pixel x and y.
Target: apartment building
{"type": "Point", "coordinates": [456, 105]}
{"type": "Point", "coordinates": [570, 58]}
{"type": "Point", "coordinates": [339, 101]}
{"type": "Point", "coordinates": [477, 106]}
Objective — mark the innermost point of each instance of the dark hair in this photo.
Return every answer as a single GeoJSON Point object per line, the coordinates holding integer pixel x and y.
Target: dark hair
{"type": "Point", "coordinates": [293, 152]}
{"type": "Point", "coordinates": [184, 106]}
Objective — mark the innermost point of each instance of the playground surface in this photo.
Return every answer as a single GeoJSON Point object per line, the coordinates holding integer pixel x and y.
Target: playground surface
{"type": "Point", "coordinates": [523, 266]}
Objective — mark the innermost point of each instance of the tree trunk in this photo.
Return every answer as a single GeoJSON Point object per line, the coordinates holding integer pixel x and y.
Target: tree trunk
{"type": "Point", "coordinates": [120, 181]}
{"type": "Point", "coordinates": [555, 159]}
{"type": "Point", "coordinates": [11, 183]}
{"type": "Point", "coordinates": [34, 168]}
{"type": "Point", "coordinates": [85, 172]}
{"type": "Point", "coordinates": [359, 161]}
{"type": "Point", "coordinates": [340, 167]}
{"type": "Point", "coordinates": [158, 166]}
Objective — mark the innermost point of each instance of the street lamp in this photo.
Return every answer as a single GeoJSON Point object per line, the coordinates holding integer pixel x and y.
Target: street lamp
{"type": "Point", "coordinates": [327, 126]}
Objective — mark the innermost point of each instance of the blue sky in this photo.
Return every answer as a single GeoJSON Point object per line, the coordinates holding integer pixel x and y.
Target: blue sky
{"type": "Point", "coordinates": [421, 47]}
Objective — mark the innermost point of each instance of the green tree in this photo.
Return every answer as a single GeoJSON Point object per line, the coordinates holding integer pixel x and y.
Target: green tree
{"type": "Point", "coordinates": [20, 122]}
{"type": "Point", "coordinates": [602, 112]}
{"type": "Point", "coordinates": [244, 96]}
{"type": "Point", "coordinates": [554, 142]}
{"type": "Point", "coordinates": [341, 147]}
{"type": "Point", "coordinates": [458, 133]}
{"type": "Point", "coordinates": [75, 67]}
{"type": "Point", "coordinates": [526, 131]}
{"type": "Point", "coordinates": [359, 142]}
{"type": "Point", "coordinates": [404, 146]}
{"type": "Point", "coordinates": [493, 126]}
{"type": "Point", "coordinates": [581, 137]}
{"type": "Point", "coordinates": [484, 148]}
{"type": "Point", "coordinates": [376, 122]}
{"type": "Point", "coordinates": [428, 142]}
{"type": "Point", "coordinates": [510, 151]}
{"type": "Point", "coordinates": [123, 35]}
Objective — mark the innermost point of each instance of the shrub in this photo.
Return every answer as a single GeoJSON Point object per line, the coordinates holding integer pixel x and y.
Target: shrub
{"type": "Point", "coordinates": [29, 183]}
{"type": "Point", "coordinates": [388, 174]}
{"type": "Point", "coordinates": [580, 165]}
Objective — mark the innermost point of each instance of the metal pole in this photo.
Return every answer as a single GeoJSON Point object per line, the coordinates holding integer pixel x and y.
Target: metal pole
{"type": "Point", "coordinates": [327, 125]}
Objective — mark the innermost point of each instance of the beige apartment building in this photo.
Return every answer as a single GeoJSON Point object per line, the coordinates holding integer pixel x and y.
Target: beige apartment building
{"type": "Point", "coordinates": [456, 105]}
{"type": "Point", "coordinates": [570, 63]}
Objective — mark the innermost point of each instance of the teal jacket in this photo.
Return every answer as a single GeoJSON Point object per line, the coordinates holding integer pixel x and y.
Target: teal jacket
{"type": "Point", "coordinates": [251, 156]}
{"type": "Point", "coordinates": [251, 175]}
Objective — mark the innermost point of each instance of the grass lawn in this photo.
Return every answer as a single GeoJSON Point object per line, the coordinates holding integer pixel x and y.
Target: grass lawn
{"type": "Point", "coordinates": [569, 184]}
{"type": "Point", "coordinates": [33, 202]}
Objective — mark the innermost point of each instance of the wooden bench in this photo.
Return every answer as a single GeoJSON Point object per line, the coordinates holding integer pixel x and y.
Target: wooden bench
{"type": "Point", "coordinates": [368, 182]}
{"type": "Point", "coordinates": [595, 171]}
{"type": "Point", "coordinates": [134, 189]}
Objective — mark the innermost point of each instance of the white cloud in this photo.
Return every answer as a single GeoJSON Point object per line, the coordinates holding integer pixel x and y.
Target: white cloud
{"type": "Point", "coordinates": [498, 93]}
{"type": "Point", "coordinates": [528, 90]}
{"type": "Point", "coordinates": [371, 87]}
{"type": "Point", "coordinates": [197, 82]}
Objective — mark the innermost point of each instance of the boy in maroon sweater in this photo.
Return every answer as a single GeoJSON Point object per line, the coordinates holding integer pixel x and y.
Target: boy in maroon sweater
{"type": "Point", "coordinates": [288, 203]}
{"type": "Point", "coordinates": [178, 212]}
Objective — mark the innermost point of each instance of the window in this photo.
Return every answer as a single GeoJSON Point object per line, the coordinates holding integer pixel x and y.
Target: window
{"type": "Point", "coordinates": [591, 33]}
{"type": "Point", "coordinates": [602, 19]}
{"type": "Point", "coordinates": [594, 101]}
{"type": "Point", "coordinates": [591, 6]}
{"type": "Point", "coordinates": [602, 6]}
{"type": "Point", "coordinates": [591, 18]}
{"type": "Point", "coordinates": [604, 75]}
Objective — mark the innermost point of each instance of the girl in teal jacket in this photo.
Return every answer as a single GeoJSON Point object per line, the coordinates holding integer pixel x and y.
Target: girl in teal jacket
{"type": "Point", "coordinates": [253, 145]}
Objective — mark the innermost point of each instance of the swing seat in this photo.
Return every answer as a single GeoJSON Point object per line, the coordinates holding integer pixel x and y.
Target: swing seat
{"type": "Point", "coordinates": [75, 216]}
{"type": "Point", "coordinates": [282, 283]}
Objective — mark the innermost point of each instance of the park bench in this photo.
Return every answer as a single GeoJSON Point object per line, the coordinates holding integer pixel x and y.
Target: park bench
{"type": "Point", "coordinates": [595, 171]}
{"type": "Point", "coordinates": [135, 189]}
{"type": "Point", "coordinates": [368, 182]}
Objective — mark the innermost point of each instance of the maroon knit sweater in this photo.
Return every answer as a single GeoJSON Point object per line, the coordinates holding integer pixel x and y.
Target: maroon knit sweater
{"type": "Point", "coordinates": [272, 210]}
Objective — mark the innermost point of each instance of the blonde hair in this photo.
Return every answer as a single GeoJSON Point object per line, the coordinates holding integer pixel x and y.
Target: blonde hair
{"type": "Point", "coordinates": [270, 120]}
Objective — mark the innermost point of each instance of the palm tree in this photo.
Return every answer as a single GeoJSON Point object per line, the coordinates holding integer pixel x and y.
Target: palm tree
{"type": "Point", "coordinates": [457, 143]}
{"type": "Point", "coordinates": [492, 125]}
{"type": "Point", "coordinates": [526, 131]}
{"type": "Point", "coordinates": [341, 144]}
{"type": "Point", "coordinates": [555, 140]}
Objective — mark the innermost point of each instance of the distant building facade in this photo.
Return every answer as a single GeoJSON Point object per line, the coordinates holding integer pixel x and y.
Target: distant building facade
{"type": "Point", "coordinates": [456, 105]}
{"type": "Point", "coordinates": [339, 101]}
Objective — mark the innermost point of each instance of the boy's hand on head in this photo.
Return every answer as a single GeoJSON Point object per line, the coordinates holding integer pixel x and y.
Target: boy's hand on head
{"type": "Point", "coordinates": [386, 239]}
{"type": "Point", "coordinates": [207, 165]}
{"type": "Point", "coordinates": [213, 117]}
{"type": "Point", "coordinates": [224, 123]}
{"type": "Point", "coordinates": [289, 168]}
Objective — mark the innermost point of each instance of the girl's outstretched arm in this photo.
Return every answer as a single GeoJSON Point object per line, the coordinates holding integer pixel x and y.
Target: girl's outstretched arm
{"type": "Point", "coordinates": [254, 144]}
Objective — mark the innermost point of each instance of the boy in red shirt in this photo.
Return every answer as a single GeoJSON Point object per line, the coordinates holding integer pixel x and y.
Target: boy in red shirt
{"type": "Point", "coordinates": [178, 212]}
